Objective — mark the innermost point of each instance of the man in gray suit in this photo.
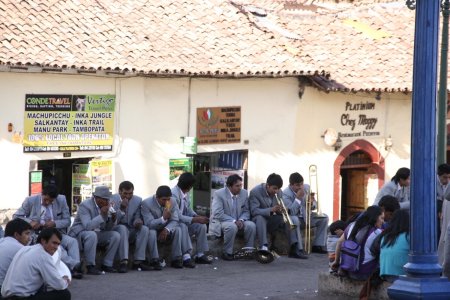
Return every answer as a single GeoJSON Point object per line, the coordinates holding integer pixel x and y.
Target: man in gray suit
{"type": "Point", "coordinates": [397, 187]}
{"type": "Point", "coordinates": [266, 213]}
{"type": "Point", "coordinates": [50, 210]}
{"type": "Point", "coordinates": [128, 208]}
{"type": "Point", "coordinates": [231, 214]}
{"type": "Point", "coordinates": [161, 214]}
{"type": "Point", "coordinates": [94, 225]}
{"type": "Point", "coordinates": [294, 197]}
{"type": "Point", "coordinates": [196, 224]}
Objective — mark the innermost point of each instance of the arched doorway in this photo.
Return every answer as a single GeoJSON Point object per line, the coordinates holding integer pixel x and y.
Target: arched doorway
{"type": "Point", "coordinates": [357, 168]}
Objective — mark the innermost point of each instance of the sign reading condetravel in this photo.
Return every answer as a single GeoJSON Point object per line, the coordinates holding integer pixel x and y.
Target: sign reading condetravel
{"type": "Point", "coordinates": [219, 125]}
{"type": "Point", "coordinates": [65, 123]}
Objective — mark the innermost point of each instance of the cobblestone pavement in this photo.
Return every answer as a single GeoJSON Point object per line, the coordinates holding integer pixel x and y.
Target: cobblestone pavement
{"type": "Point", "coordinates": [285, 278]}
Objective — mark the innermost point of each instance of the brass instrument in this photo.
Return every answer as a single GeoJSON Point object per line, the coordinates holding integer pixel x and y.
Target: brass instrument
{"type": "Point", "coordinates": [308, 206]}
{"type": "Point", "coordinates": [284, 212]}
{"type": "Point", "coordinates": [311, 194]}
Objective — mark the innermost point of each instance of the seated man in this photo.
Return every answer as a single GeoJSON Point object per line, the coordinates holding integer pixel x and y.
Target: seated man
{"type": "Point", "coordinates": [128, 208]}
{"type": "Point", "coordinates": [196, 224]}
{"type": "Point", "coordinates": [33, 270]}
{"type": "Point", "coordinates": [267, 214]}
{"type": "Point", "coordinates": [295, 199]}
{"type": "Point", "coordinates": [231, 214]}
{"type": "Point", "coordinates": [50, 210]}
{"type": "Point", "coordinates": [94, 225]}
{"type": "Point", "coordinates": [17, 235]}
{"type": "Point", "coordinates": [161, 215]}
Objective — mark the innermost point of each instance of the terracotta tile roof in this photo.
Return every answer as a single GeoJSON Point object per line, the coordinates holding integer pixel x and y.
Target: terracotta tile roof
{"type": "Point", "coordinates": [194, 36]}
{"type": "Point", "coordinates": [363, 46]}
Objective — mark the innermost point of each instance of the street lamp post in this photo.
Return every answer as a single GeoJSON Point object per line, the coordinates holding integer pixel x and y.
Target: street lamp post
{"type": "Point", "coordinates": [423, 279]}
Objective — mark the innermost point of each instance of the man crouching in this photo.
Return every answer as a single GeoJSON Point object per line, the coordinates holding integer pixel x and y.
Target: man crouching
{"type": "Point", "coordinates": [33, 273]}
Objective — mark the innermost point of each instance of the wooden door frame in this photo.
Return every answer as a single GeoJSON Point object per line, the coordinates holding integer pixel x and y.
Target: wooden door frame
{"type": "Point", "coordinates": [377, 165]}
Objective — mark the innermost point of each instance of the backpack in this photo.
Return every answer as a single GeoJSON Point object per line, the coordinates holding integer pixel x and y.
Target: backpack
{"type": "Point", "coordinates": [352, 252]}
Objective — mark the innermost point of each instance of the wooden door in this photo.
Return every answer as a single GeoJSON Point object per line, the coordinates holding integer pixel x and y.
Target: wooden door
{"type": "Point", "coordinates": [356, 198]}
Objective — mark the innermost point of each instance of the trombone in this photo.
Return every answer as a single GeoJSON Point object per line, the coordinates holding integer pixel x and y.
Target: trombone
{"type": "Point", "coordinates": [284, 212]}
{"type": "Point", "coordinates": [311, 194]}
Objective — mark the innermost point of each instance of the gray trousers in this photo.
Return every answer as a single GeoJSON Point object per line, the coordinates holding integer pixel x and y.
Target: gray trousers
{"type": "Point", "coordinates": [199, 230]}
{"type": "Point", "coordinates": [175, 237]}
{"type": "Point", "coordinates": [273, 223]}
{"type": "Point", "coordinates": [446, 251]}
{"type": "Point", "coordinates": [152, 244]}
{"type": "Point", "coordinates": [186, 243]}
{"type": "Point", "coordinates": [139, 237]}
{"type": "Point", "coordinates": [88, 241]}
{"type": "Point", "coordinates": [230, 230]}
{"type": "Point", "coordinates": [321, 224]}
{"type": "Point", "coordinates": [124, 245]}
{"type": "Point", "coordinates": [70, 251]}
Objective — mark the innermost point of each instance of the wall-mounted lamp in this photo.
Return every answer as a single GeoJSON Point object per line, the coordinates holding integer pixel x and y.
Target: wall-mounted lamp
{"type": "Point", "coordinates": [388, 143]}
{"type": "Point", "coordinates": [10, 127]}
{"type": "Point", "coordinates": [338, 144]}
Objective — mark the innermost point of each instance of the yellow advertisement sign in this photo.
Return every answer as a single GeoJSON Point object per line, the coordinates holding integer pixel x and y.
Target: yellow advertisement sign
{"type": "Point", "coordinates": [101, 173]}
{"type": "Point", "coordinates": [66, 123]}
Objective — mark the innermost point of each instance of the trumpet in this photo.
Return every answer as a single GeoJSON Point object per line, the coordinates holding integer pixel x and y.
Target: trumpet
{"type": "Point", "coordinates": [284, 212]}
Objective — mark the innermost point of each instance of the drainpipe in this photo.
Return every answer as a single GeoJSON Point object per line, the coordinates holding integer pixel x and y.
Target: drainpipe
{"type": "Point", "coordinates": [442, 105]}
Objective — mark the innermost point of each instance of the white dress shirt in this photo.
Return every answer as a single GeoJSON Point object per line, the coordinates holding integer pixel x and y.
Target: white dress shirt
{"type": "Point", "coordinates": [9, 246]}
{"type": "Point", "coordinates": [31, 267]}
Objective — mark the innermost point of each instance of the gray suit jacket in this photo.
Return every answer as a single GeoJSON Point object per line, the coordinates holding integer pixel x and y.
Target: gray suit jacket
{"type": "Point", "coordinates": [31, 211]}
{"type": "Point", "coordinates": [89, 219]}
{"type": "Point", "coordinates": [186, 213]}
{"type": "Point", "coordinates": [391, 188]}
{"type": "Point", "coordinates": [133, 212]}
{"type": "Point", "coordinates": [296, 209]}
{"type": "Point", "coordinates": [260, 202]}
{"type": "Point", "coordinates": [222, 207]}
{"type": "Point", "coordinates": [152, 213]}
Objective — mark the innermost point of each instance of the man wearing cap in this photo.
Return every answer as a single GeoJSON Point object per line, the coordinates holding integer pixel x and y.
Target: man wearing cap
{"type": "Point", "coordinates": [161, 215]}
{"type": "Point", "coordinates": [94, 225]}
{"type": "Point", "coordinates": [50, 210]}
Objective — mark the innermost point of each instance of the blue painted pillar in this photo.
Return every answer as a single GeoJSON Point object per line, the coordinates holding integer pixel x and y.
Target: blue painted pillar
{"type": "Point", "coordinates": [423, 279]}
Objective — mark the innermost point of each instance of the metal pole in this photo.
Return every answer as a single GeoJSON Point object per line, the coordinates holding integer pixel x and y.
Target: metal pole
{"type": "Point", "coordinates": [442, 106]}
{"type": "Point", "coordinates": [423, 279]}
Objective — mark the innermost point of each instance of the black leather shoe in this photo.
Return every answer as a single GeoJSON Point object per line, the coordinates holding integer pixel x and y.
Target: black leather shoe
{"type": "Point", "coordinates": [226, 256]}
{"type": "Point", "coordinates": [177, 264]}
{"type": "Point", "coordinates": [204, 259]}
{"type": "Point", "coordinates": [123, 267]}
{"type": "Point", "coordinates": [108, 269]}
{"type": "Point", "coordinates": [92, 270]}
{"type": "Point", "coordinates": [141, 266]}
{"type": "Point", "coordinates": [188, 263]}
{"type": "Point", "coordinates": [300, 254]}
{"type": "Point", "coordinates": [318, 249]}
{"type": "Point", "coordinates": [76, 274]}
{"type": "Point", "coordinates": [156, 264]}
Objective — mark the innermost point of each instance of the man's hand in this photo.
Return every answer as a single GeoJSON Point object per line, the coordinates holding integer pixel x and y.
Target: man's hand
{"type": "Point", "coordinates": [167, 214]}
{"type": "Point", "coordinates": [124, 204]}
{"type": "Point", "coordinates": [138, 224]}
{"type": "Point", "coordinates": [300, 193]}
{"type": "Point", "coordinates": [239, 224]}
{"type": "Point", "coordinates": [276, 209]}
{"type": "Point", "coordinates": [163, 235]}
{"type": "Point", "coordinates": [49, 224]}
{"type": "Point", "coordinates": [66, 279]}
{"type": "Point", "coordinates": [35, 225]}
{"type": "Point", "coordinates": [200, 220]}
{"type": "Point", "coordinates": [104, 211]}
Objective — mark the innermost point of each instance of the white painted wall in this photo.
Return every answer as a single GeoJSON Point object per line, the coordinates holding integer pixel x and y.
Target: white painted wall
{"type": "Point", "coordinates": [284, 132]}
